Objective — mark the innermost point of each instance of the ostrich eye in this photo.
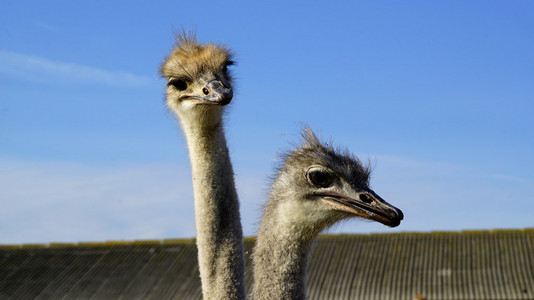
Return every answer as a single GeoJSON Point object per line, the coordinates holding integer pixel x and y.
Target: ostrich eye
{"type": "Point", "coordinates": [320, 178]}
{"type": "Point", "coordinates": [179, 84]}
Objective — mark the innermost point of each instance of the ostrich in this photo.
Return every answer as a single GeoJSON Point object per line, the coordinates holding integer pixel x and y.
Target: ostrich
{"type": "Point", "coordinates": [316, 187]}
{"type": "Point", "coordinates": [199, 85]}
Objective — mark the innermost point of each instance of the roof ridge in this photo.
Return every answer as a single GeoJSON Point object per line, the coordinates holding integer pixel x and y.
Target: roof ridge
{"type": "Point", "coordinates": [253, 238]}
{"type": "Point", "coordinates": [98, 244]}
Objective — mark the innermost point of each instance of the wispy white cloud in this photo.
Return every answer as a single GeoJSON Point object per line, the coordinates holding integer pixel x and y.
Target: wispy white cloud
{"type": "Point", "coordinates": [38, 69]}
{"type": "Point", "coordinates": [59, 202]}
{"type": "Point", "coordinates": [47, 202]}
{"type": "Point", "coordinates": [66, 202]}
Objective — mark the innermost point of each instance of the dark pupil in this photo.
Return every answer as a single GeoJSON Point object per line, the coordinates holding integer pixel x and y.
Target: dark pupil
{"type": "Point", "coordinates": [321, 179]}
{"type": "Point", "coordinates": [179, 84]}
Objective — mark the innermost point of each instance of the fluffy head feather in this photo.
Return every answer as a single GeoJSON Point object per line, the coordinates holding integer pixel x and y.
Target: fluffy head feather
{"type": "Point", "coordinates": [314, 152]}
{"type": "Point", "coordinates": [189, 58]}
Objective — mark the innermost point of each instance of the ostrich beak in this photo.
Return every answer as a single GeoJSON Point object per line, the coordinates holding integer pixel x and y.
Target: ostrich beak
{"type": "Point", "coordinates": [214, 92]}
{"type": "Point", "coordinates": [368, 205]}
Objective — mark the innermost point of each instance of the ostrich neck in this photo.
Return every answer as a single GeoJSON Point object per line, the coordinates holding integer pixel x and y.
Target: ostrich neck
{"type": "Point", "coordinates": [280, 260]}
{"type": "Point", "coordinates": [219, 233]}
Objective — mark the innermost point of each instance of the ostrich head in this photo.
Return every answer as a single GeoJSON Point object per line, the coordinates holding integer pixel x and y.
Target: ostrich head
{"type": "Point", "coordinates": [318, 186]}
{"type": "Point", "coordinates": [199, 83]}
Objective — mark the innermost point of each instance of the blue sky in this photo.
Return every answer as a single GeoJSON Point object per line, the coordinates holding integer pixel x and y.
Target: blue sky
{"type": "Point", "coordinates": [438, 95]}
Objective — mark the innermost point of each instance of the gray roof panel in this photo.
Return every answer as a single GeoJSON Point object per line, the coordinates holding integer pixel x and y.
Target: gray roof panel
{"type": "Point", "coordinates": [488, 265]}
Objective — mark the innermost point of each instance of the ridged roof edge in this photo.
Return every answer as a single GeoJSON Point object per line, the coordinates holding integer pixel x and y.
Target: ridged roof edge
{"type": "Point", "coordinates": [100, 244]}
{"type": "Point", "coordinates": [247, 239]}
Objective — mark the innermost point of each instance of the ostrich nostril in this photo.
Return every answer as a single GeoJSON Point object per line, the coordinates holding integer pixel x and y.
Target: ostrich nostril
{"type": "Point", "coordinates": [366, 198]}
{"type": "Point", "coordinates": [205, 91]}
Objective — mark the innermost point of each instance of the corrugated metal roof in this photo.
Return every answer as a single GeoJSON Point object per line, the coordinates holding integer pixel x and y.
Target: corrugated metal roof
{"type": "Point", "coordinates": [451, 265]}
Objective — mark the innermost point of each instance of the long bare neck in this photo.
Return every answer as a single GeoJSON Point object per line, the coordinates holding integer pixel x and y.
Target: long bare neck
{"type": "Point", "coordinates": [280, 259]}
{"type": "Point", "coordinates": [218, 223]}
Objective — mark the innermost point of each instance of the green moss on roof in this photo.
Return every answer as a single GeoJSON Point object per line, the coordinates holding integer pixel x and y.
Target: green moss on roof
{"type": "Point", "coordinates": [178, 241]}
{"type": "Point", "coordinates": [34, 246]}
{"type": "Point", "coordinates": [7, 247]}
{"type": "Point", "coordinates": [57, 245]}
{"type": "Point", "coordinates": [253, 239]}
